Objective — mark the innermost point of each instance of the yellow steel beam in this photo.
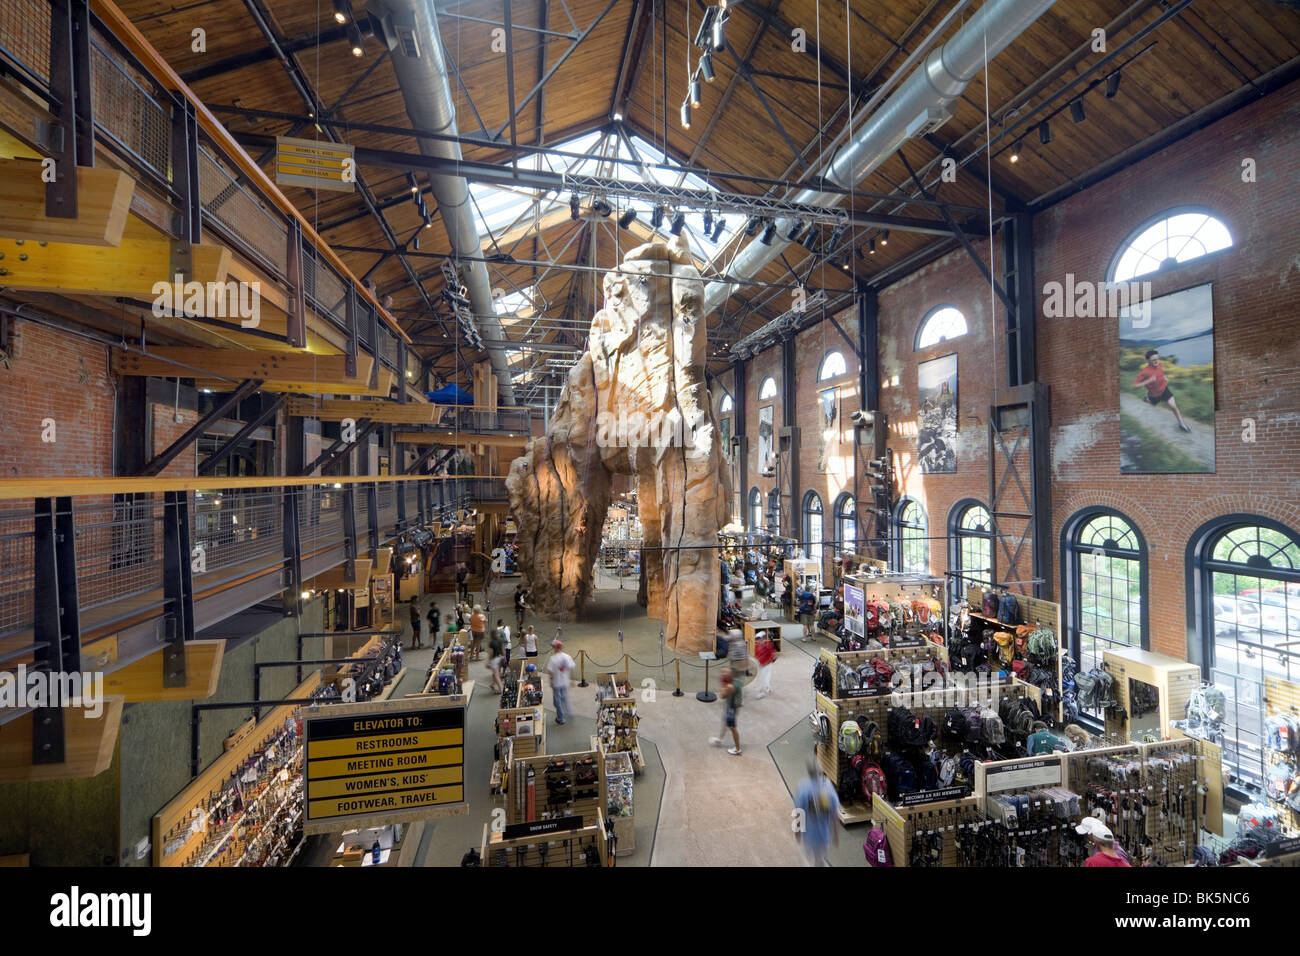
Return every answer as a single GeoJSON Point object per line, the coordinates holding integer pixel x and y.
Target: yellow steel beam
{"type": "Point", "coordinates": [132, 269]}
{"type": "Point", "coordinates": [89, 745]}
{"type": "Point", "coordinates": [285, 366]}
{"type": "Point", "coordinates": [143, 680]}
{"type": "Point", "coordinates": [461, 439]}
{"type": "Point", "coordinates": [61, 486]}
{"type": "Point", "coordinates": [387, 413]}
{"type": "Point", "coordinates": [103, 201]}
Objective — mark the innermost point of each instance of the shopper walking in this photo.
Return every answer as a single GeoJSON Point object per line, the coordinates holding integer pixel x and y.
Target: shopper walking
{"type": "Point", "coordinates": [503, 631]}
{"type": "Point", "coordinates": [530, 642]}
{"type": "Point", "coordinates": [732, 694]}
{"type": "Point", "coordinates": [1103, 843]}
{"type": "Point", "coordinates": [495, 656]}
{"type": "Point", "coordinates": [462, 582]}
{"type": "Point", "coordinates": [818, 805]}
{"type": "Point", "coordinates": [435, 622]}
{"type": "Point", "coordinates": [558, 669]}
{"type": "Point", "coordinates": [765, 654]}
{"type": "Point", "coordinates": [415, 623]}
{"type": "Point", "coordinates": [521, 605]}
{"type": "Point", "coordinates": [477, 628]}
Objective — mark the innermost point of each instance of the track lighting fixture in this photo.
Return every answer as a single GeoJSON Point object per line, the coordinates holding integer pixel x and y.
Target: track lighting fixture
{"type": "Point", "coordinates": [686, 115]}
{"type": "Point", "coordinates": [845, 265]}
{"type": "Point", "coordinates": [871, 247]}
{"type": "Point", "coordinates": [836, 235]}
{"type": "Point", "coordinates": [356, 40]}
{"type": "Point", "coordinates": [706, 66]}
{"type": "Point", "coordinates": [720, 225]}
{"type": "Point", "coordinates": [1015, 151]}
{"type": "Point", "coordinates": [657, 215]}
{"type": "Point", "coordinates": [1076, 110]}
{"type": "Point", "coordinates": [796, 231]}
{"type": "Point", "coordinates": [428, 223]}
{"type": "Point", "coordinates": [769, 233]}
{"type": "Point", "coordinates": [416, 242]}
{"type": "Point", "coordinates": [719, 28]}
{"type": "Point", "coordinates": [679, 223]}
{"type": "Point", "coordinates": [884, 238]}
{"type": "Point", "coordinates": [601, 207]}
{"type": "Point", "coordinates": [342, 11]}
{"type": "Point", "coordinates": [695, 92]}
{"type": "Point", "coordinates": [573, 206]}
{"type": "Point", "coordinates": [1112, 84]}
{"type": "Point", "coordinates": [1044, 132]}
{"type": "Point", "coordinates": [413, 182]}
{"type": "Point", "coordinates": [628, 217]}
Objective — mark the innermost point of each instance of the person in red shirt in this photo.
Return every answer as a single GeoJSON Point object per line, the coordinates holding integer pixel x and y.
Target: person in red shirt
{"type": "Point", "coordinates": [1103, 842]}
{"type": "Point", "coordinates": [1152, 378]}
{"type": "Point", "coordinates": [765, 654]}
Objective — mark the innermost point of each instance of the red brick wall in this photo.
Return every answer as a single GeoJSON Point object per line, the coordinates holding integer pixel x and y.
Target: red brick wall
{"type": "Point", "coordinates": [44, 379]}
{"type": "Point", "coordinates": [1257, 352]}
{"type": "Point", "coordinates": [165, 431]}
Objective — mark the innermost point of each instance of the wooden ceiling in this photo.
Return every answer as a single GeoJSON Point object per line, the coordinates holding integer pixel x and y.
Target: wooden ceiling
{"type": "Point", "coordinates": [767, 113]}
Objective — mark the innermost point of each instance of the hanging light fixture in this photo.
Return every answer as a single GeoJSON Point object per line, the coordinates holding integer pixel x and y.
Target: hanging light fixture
{"type": "Point", "coordinates": [679, 223]}
{"type": "Point", "coordinates": [657, 215]}
{"type": "Point", "coordinates": [573, 206]}
{"type": "Point", "coordinates": [628, 217]}
{"type": "Point", "coordinates": [706, 66]}
{"type": "Point", "coordinates": [751, 225]}
{"type": "Point", "coordinates": [708, 221]}
{"type": "Point", "coordinates": [871, 246]}
{"type": "Point", "coordinates": [720, 225]}
{"type": "Point", "coordinates": [1015, 152]}
{"type": "Point", "coordinates": [1044, 132]}
{"type": "Point", "coordinates": [342, 11]}
{"type": "Point", "coordinates": [769, 233]}
{"type": "Point", "coordinates": [884, 238]}
{"type": "Point", "coordinates": [686, 115]}
{"type": "Point", "coordinates": [1112, 84]}
{"type": "Point", "coordinates": [601, 207]}
{"type": "Point", "coordinates": [1076, 110]}
{"type": "Point", "coordinates": [695, 92]}
{"type": "Point", "coordinates": [796, 231]}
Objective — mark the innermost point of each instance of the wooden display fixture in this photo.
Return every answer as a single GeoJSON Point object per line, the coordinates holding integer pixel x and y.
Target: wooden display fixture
{"type": "Point", "coordinates": [901, 824]}
{"type": "Point", "coordinates": [564, 847]}
{"type": "Point", "coordinates": [611, 699]}
{"type": "Point", "coordinates": [1175, 682]}
{"type": "Point", "coordinates": [590, 809]}
{"type": "Point", "coordinates": [896, 656]}
{"type": "Point", "coordinates": [1034, 611]}
{"type": "Point", "coordinates": [753, 628]}
{"type": "Point", "coordinates": [1282, 697]}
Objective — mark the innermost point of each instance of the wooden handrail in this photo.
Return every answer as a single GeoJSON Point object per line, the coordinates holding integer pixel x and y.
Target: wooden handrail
{"type": "Point", "coordinates": [19, 488]}
{"type": "Point", "coordinates": [131, 38]}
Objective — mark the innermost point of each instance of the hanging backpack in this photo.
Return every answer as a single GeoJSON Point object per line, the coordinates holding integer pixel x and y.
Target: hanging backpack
{"type": "Point", "coordinates": [927, 776]}
{"type": "Point", "coordinates": [954, 724]}
{"type": "Point", "coordinates": [1041, 646]}
{"type": "Point", "coordinates": [1008, 609]}
{"type": "Point", "coordinates": [850, 737]}
{"type": "Point", "coordinates": [821, 677]}
{"type": "Point", "coordinates": [876, 849]}
{"type": "Point", "coordinates": [821, 727]}
{"type": "Point", "coordinates": [871, 778]}
{"type": "Point", "coordinates": [847, 678]}
{"type": "Point", "coordinates": [991, 729]}
{"type": "Point", "coordinates": [1282, 734]}
{"type": "Point", "coordinates": [945, 768]}
{"type": "Point", "coordinates": [974, 725]}
{"type": "Point", "coordinates": [900, 775]}
{"type": "Point", "coordinates": [991, 604]}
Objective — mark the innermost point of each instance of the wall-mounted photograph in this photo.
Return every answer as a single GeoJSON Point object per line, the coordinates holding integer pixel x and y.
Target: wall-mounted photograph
{"type": "Point", "coordinates": [1166, 384]}
{"type": "Point", "coordinates": [765, 432]}
{"type": "Point", "coordinates": [936, 415]}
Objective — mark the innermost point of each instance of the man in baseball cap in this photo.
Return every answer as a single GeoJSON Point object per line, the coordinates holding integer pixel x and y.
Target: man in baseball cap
{"type": "Point", "coordinates": [559, 669]}
{"type": "Point", "coordinates": [1103, 842]}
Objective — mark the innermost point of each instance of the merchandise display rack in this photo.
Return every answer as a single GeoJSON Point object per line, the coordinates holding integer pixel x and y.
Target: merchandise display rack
{"type": "Point", "coordinates": [528, 800]}
{"type": "Point", "coordinates": [549, 848]}
{"type": "Point", "coordinates": [511, 720]}
{"type": "Point", "coordinates": [1039, 613]}
{"type": "Point", "coordinates": [1282, 697]}
{"type": "Point", "coordinates": [617, 720]}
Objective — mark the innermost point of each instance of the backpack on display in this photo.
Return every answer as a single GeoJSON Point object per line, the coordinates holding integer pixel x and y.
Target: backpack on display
{"type": "Point", "coordinates": [1207, 707]}
{"type": "Point", "coordinates": [876, 849]}
{"type": "Point", "coordinates": [974, 725]}
{"type": "Point", "coordinates": [821, 677]}
{"type": "Point", "coordinates": [821, 727]}
{"type": "Point", "coordinates": [945, 769]}
{"type": "Point", "coordinates": [991, 604]}
{"type": "Point", "coordinates": [1008, 609]}
{"type": "Point", "coordinates": [927, 775]}
{"type": "Point", "coordinates": [991, 728]}
{"type": "Point", "coordinates": [848, 678]}
{"type": "Point", "coordinates": [850, 737]}
{"type": "Point", "coordinates": [954, 724]}
{"type": "Point", "coordinates": [1278, 781]}
{"type": "Point", "coordinates": [871, 779]}
{"type": "Point", "coordinates": [900, 775]}
{"type": "Point", "coordinates": [850, 787]}
{"type": "Point", "coordinates": [1041, 645]}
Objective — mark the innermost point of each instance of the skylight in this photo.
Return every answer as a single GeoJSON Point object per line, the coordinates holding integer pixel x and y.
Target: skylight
{"type": "Point", "coordinates": [499, 210]}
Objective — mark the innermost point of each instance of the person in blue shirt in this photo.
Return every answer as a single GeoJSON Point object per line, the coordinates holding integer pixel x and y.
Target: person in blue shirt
{"type": "Point", "coordinates": [806, 608]}
{"type": "Point", "coordinates": [815, 824]}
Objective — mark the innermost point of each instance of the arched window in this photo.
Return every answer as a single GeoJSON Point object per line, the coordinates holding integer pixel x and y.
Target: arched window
{"type": "Point", "coordinates": [971, 529]}
{"type": "Point", "coordinates": [940, 325]}
{"type": "Point", "coordinates": [1176, 236]}
{"type": "Point", "coordinates": [755, 510]}
{"type": "Point", "coordinates": [832, 367]}
{"type": "Point", "coordinates": [774, 511]}
{"type": "Point", "coordinates": [1245, 577]}
{"type": "Point", "coordinates": [1104, 568]}
{"type": "Point", "coordinates": [812, 525]}
{"type": "Point", "coordinates": [767, 389]}
{"type": "Point", "coordinates": [726, 406]}
{"type": "Point", "coordinates": [846, 514]}
{"type": "Point", "coordinates": [911, 549]}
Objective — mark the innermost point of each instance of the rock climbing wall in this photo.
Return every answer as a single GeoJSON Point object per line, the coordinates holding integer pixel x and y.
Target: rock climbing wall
{"type": "Point", "coordinates": [635, 404]}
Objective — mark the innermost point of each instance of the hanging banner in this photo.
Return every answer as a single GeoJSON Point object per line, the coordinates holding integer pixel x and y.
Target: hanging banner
{"type": "Point", "coordinates": [315, 164]}
{"type": "Point", "coordinates": [855, 610]}
{"type": "Point", "coordinates": [382, 762]}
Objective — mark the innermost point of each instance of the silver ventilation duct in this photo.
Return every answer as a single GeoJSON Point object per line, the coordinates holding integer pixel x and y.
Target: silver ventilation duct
{"type": "Point", "coordinates": [920, 105]}
{"type": "Point", "coordinates": [410, 30]}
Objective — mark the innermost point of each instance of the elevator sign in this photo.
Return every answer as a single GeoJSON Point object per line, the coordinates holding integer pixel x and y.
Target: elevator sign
{"type": "Point", "coordinates": [385, 762]}
{"type": "Point", "coordinates": [315, 164]}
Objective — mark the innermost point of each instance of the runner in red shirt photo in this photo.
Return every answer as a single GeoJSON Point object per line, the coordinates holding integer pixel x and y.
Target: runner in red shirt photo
{"type": "Point", "coordinates": [1152, 377]}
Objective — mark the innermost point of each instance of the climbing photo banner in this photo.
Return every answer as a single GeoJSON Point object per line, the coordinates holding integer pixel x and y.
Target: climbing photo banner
{"type": "Point", "coordinates": [1166, 384]}
{"type": "Point", "coordinates": [855, 610]}
{"type": "Point", "coordinates": [936, 415]}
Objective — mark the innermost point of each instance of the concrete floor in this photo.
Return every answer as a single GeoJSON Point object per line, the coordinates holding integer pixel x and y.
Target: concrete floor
{"type": "Point", "coordinates": [696, 805]}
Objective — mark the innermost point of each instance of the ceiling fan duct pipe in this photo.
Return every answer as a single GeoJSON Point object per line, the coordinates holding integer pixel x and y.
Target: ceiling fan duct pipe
{"type": "Point", "coordinates": [410, 30]}
{"type": "Point", "coordinates": [918, 106]}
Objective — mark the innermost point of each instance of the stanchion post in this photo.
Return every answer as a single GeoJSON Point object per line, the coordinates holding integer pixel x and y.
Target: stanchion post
{"type": "Point", "coordinates": [677, 663]}
{"type": "Point", "coordinates": [706, 695]}
{"type": "Point", "coordinates": [582, 665]}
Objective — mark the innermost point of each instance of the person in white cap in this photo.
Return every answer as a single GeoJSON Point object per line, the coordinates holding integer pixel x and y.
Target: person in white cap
{"type": "Point", "coordinates": [1103, 841]}
{"type": "Point", "coordinates": [559, 669]}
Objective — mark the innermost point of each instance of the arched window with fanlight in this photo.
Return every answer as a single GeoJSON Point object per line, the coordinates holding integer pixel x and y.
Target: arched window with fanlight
{"type": "Point", "coordinates": [726, 405]}
{"type": "Point", "coordinates": [1104, 571]}
{"type": "Point", "coordinates": [833, 366]}
{"type": "Point", "coordinates": [1244, 585]}
{"type": "Point", "coordinates": [1167, 241]}
{"type": "Point", "coordinates": [812, 525]}
{"type": "Point", "coordinates": [971, 532]}
{"type": "Point", "coordinates": [939, 325]}
{"type": "Point", "coordinates": [767, 389]}
{"type": "Point", "coordinates": [755, 510]}
{"type": "Point", "coordinates": [911, 548]}
{"type": "Point", "coordinates": [846, 514]}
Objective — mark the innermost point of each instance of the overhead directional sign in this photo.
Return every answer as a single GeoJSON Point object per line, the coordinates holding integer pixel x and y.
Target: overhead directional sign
{"type": "Point", "coordinates": [384, 762]}
{"type": "Point", "coordinates": [315, 164]}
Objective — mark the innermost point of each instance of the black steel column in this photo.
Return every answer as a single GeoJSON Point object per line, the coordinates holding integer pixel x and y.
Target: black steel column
{"type": "Point", "coordinates": [187, 224]}
{"type": "Point", "coordinates": [72, 137]}
{"type": "Point", "coordinates": [295, 326]}
{"type": "Point", "coordinates": [57, 629]}
{"type": "Point", "coordinates": [292, 550]}
{"type": "Point", "coordinates": [178, 586]}
{"type": "Point", "coordinates": [350, 318]}
{"type": "Point", "coordinates": [1019, 280]}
